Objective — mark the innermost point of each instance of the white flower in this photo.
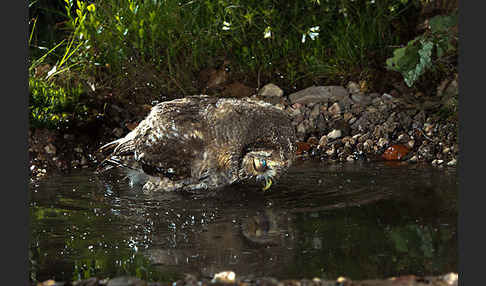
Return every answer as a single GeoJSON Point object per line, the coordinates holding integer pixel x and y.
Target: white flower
{"type": "Point", "coordinates": [226, 26]}
{"type": "Point", "coordinates": [268, 33]}
{"type": "Point", "coordinates": [313, 32]}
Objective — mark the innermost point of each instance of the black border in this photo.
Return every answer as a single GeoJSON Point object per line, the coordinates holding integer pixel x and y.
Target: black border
{"type": "Point", "coordinates": [14, 210]}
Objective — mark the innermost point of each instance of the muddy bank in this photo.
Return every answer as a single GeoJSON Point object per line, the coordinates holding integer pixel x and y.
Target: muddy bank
{"type": "Point", "coordinates": [333, 123]}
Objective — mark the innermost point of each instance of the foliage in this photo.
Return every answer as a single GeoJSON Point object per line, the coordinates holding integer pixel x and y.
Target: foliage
{"type": "Point", "coordinates": [294, 42]}
{"type": "Point", "coordinates": [52, 106]}
{"type": "Point", "coordinates": [417, 56]}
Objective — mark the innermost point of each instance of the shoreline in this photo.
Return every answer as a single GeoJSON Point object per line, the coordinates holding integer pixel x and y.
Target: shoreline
{"type": "Point", "coordinates": [332, 123]}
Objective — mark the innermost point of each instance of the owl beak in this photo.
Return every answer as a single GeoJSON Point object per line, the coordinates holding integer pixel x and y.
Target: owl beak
{"type": "Point", "coordinates": [268, 183]}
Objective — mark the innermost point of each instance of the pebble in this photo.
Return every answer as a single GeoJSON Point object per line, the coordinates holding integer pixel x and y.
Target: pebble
{"type": "Point", "coordinates": [350, 158]}
{"type": "Point", "coordinates": [413, 159]}
{"type": "Point", "coordinates": [382, 142]}
{"type": "Point", "coordinates": [323, 141]}
{"type": "Point", "coordinates": [334, 134]}
{"type": "Point", "coordinates": [50, 149]}
{"type": "Point", "coordinates": [410, 144]}
{"type": "Point", "coordinates": [335, 110]}
{"type": "Point", "coordinates": [452, 162]}
{"type": "Point", "coordinates": [271, 90]}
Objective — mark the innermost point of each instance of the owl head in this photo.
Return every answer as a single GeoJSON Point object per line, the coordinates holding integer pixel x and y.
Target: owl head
{"type": "Point", "coordinates": [264, 166]}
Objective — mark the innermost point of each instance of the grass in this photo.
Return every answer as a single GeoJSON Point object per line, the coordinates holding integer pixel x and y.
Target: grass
{"type": "Point", "coordinates": [157, 48]}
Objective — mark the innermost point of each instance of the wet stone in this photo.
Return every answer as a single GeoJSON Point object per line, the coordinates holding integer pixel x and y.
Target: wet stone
{"type": "Point", "coordinates": [334, 134]}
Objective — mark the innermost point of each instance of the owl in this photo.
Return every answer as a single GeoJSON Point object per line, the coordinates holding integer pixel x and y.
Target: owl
{"type": "Point", "coordinates": [205, 143]}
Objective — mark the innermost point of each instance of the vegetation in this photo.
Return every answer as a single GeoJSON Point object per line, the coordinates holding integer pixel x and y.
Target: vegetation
{"type": "Point", "coordinates": [158, 48]}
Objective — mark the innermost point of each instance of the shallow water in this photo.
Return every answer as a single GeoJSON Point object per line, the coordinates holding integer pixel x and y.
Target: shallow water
{"type": "Point", "coordinates": [360, 220]}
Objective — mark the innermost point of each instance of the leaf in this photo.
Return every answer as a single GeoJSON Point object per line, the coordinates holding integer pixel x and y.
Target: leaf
{"type": "Point", "coordinates": [442, 23]}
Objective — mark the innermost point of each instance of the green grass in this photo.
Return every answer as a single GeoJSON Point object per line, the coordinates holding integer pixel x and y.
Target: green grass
{"type": "Point", "coordinates": [154, 48]}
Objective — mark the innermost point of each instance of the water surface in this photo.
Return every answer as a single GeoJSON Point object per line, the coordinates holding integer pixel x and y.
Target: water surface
{"type": "Point", "coordinates": [360, 220]}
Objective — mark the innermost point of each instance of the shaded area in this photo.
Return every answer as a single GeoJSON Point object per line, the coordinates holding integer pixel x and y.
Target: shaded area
{"type": "Point", "coordinates": [361, 220]}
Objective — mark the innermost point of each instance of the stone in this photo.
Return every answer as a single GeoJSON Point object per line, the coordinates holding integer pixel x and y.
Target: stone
{"type": "Point", "coordinates": [411, 143]}
{"type": "Point", "coordinates": [313, 140]}
{"type": "Point", "coordinates": [361, 98]}
{"type": "Point", "coordinates": [315, 94]}
{"type": "Point", "coordinates": [50, 149]}
{"type": "Point", "coordinates": [316, 110]}
{"type": "Point", "coordinates": [446, 150]}
{"type": "Point", "coordinates": [413, 159]}
{"type": "Point", "coordinates": [301, 127]}
{"type": "Point", "coordinates": [323, 141]}
{"type": "Point", "coordinates": [403, 138]}
{"type": "Point", "coordinates": [353, 87]}
{"type": "Point", "coordinates": [270, 90]}
{"type": "Point", "coordinates": [347, 116]}
{"type": "Point", "coordinates": [335, 110]}
{"type": "Point", "coordinates": [334, 134]}
{"type": "Point", "coordinates": [350, 158]}
{"type": "Point", "coordinates": [382, 142]}
{"type": "Point", "coordinates": [452, 162]}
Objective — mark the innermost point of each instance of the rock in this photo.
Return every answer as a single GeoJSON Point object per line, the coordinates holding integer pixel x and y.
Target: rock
{"type": "Point", "coordinates": [318, 94]}
{"type": "Point", "coordinates": [347, 116]}
{"type": "Point", "coordinates": [316, 110]}
{"type": "Point", "coordinates": [361, 98]}
{"type": "Point", "coordinates": [335, 110]}
{"type": "Point", "coordinates": [446, 150]}
{"type": "Point", "coordinates": [270, 90]}
{"type": "Point", "coordinates": [50, 149]}
{"type": "Point", "coordinates": [395, 152]}
{"type": "Point", "coordinates": [413, 159]}
{"type": "Point", "coordinates": [452, 162]}
{"type": "Point", "coordinates": [224, 277]}
{"type": "Point", "coordinates": [301, 128]}
{"type": "Point", "coordinates": [367, 144]}
{"type": "Point", "coordinates": [382, 142]}
{"type": "Point", "coordinates": [126, 281]}
{"type": "Point", "coordinates": [313, 141]}
{"type": "Point", "coordinates": [403, 138]}
{"type": "Point", "coordinates": [350, 158]}
{"type": "Point", "coordinates": [353, 87]}
{"type": "Point", "coordinates": [331, 151]}
{"type": "Point", "coordinates": [426, 151]}
{"type": "Point", "coordinates": [334, 134]}
{"type": "Point", "coordinates": [410, 144]}
{"type": "Point", "coordinates": [323, 141]}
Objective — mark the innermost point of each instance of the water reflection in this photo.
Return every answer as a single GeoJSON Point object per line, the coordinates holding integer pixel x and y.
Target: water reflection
{"type": "Point", "coordinates": [358, 220]}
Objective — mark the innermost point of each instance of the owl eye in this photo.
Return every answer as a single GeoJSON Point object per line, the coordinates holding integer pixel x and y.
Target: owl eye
{"type": "Point", "coordinates": [259, 164]}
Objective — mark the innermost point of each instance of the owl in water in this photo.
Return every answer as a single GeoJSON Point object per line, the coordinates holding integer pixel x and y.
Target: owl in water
{"type": "Point", "coordinates": [202, 142]}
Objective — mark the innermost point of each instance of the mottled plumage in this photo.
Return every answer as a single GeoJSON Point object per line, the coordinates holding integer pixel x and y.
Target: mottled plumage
{"type": "Point", "coordinates": [202, 142]}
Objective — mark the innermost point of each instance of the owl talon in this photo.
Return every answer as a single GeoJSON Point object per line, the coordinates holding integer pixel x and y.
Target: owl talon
{"type": "Point", "coordinates": [268, 184]}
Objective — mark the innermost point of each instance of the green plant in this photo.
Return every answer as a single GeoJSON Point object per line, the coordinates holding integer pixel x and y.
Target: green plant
{"type": "Point", "coordinates": [421, 53]}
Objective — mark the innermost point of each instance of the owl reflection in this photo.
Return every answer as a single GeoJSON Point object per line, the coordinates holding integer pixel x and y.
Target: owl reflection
{"type": "Point", "coordinates": [202, 142]}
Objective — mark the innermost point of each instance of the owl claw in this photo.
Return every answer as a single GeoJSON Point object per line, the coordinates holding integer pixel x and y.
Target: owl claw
{"type": "Point", "coordinates": [268, 184]}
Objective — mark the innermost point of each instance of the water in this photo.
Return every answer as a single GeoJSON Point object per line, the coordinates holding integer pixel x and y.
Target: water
{"type": "Point", "coordinates": [360, 220]}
